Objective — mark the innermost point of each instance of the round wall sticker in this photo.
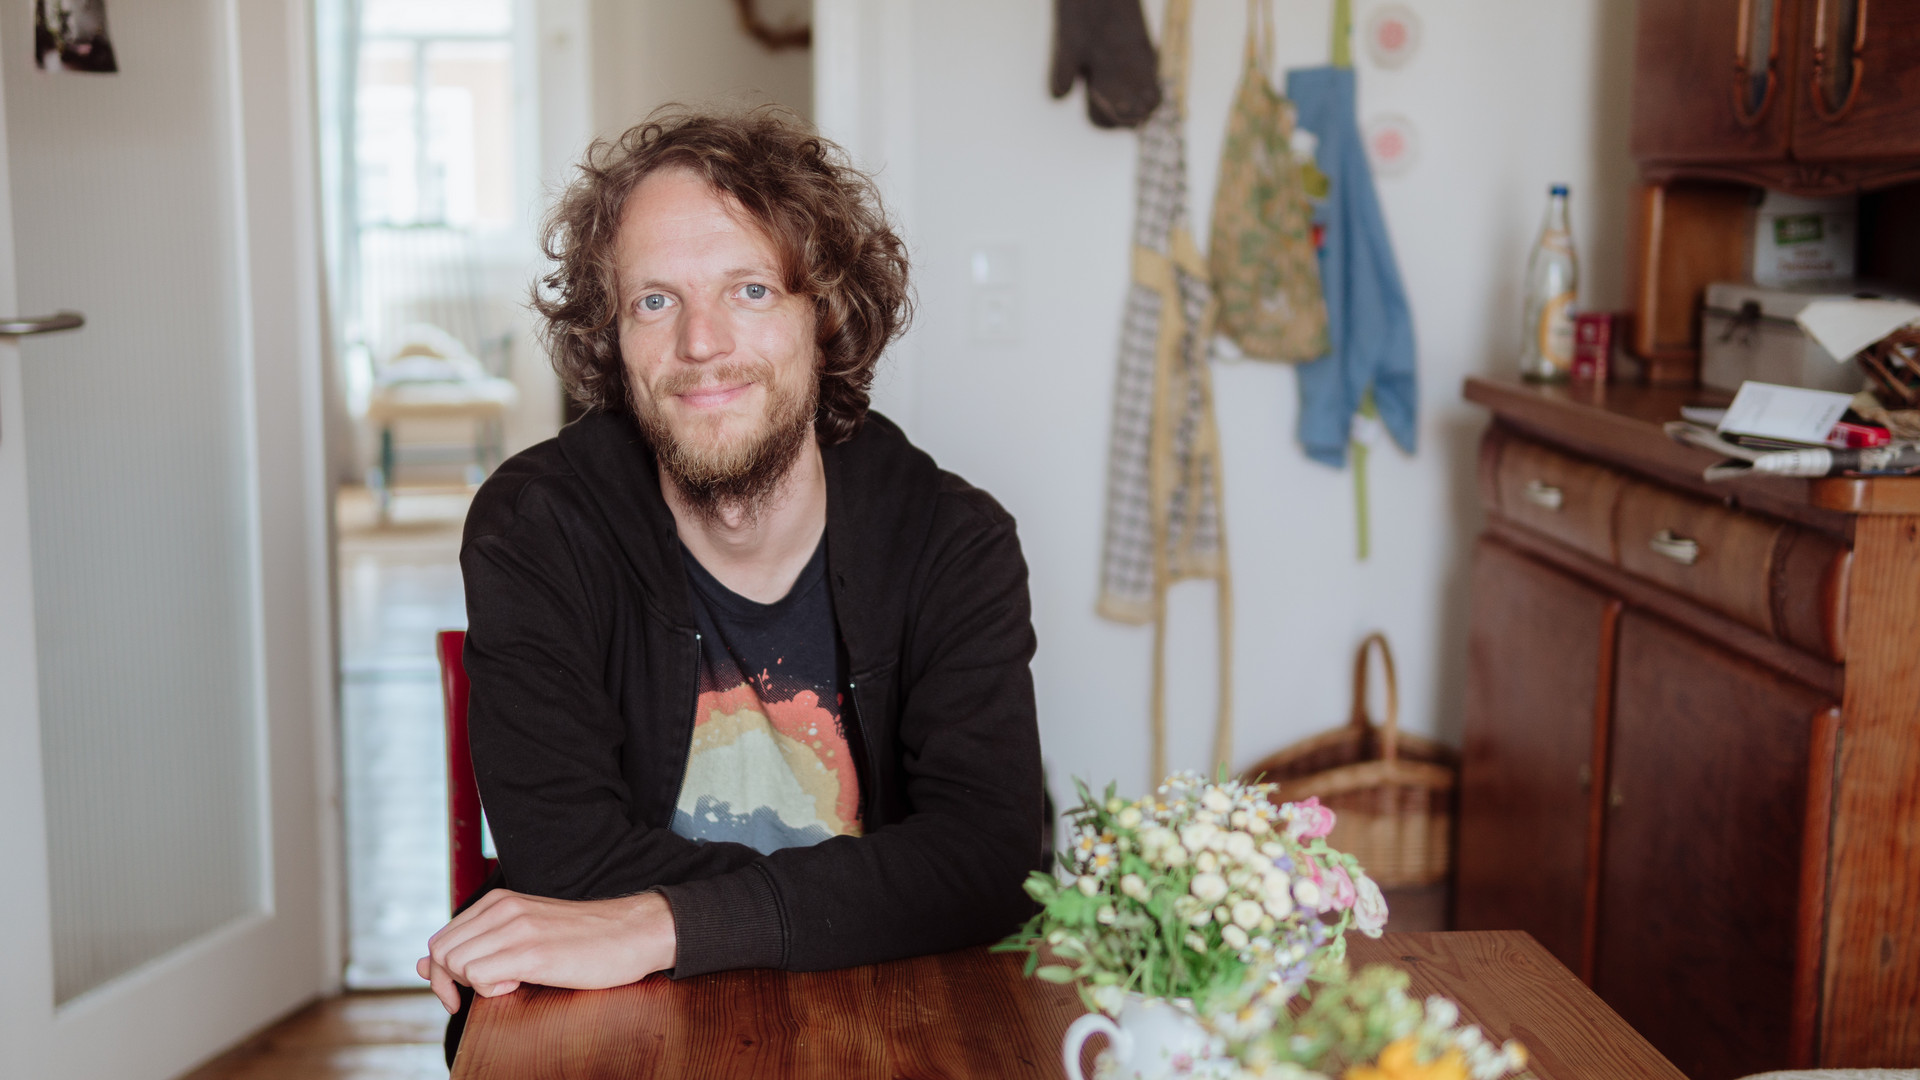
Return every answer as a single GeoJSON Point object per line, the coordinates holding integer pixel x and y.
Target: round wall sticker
{"type": "Point", "coordinates": [1392, 35]}
{"type": "Point", "coordinates": [1392, 144]}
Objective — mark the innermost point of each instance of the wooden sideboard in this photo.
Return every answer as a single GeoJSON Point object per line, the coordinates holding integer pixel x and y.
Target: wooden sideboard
{"type": "Point", "coordinates": [1692, 748]}
{"type": "Point", "coordinates": [1730, 97]}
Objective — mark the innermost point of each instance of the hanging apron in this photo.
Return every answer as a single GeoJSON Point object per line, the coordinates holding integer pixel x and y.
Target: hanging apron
{"type": "Point", "coordinates": [1164, 519]}
{"type": "Point", "coordinates": [1369, 368]}
{"type": "Point", "coordinates": [1265, 273]}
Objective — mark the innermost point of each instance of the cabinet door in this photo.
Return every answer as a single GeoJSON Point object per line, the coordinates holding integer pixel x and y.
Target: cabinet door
{"type": "Point", "coordinates": [1706, 807]}
{"type": "Point", "coordinates": [1711, 79]}
{"type": "Point", "coordinates": [1536, 650]}
{"type": "Point", "coordinates": [1879, 118]}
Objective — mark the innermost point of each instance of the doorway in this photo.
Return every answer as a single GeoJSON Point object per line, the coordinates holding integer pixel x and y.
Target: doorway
{"type": "Point", "coordinates": [429, 137]}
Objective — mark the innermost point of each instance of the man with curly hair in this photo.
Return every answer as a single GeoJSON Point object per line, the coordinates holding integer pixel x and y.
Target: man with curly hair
{"type": "Point", "coordinates": [749, 672]}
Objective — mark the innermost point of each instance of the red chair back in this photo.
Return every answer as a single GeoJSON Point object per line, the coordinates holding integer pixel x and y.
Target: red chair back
{"type": "Point", "coordinates": [470, 863]}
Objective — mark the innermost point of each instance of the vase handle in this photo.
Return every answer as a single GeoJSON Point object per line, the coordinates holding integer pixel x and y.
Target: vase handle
{"type": "Point", "coordinates": [1083, 1029]}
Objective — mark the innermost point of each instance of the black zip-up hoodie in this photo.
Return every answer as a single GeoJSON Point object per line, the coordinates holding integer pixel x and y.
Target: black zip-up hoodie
{"type": "Point", "coordinates": [582, 656]}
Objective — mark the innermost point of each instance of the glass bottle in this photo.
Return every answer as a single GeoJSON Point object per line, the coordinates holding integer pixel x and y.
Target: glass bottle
{"type": "Point", "coordinates": [1553, 275]}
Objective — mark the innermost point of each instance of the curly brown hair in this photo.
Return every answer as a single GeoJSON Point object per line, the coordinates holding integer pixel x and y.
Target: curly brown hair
{"type": "Point", "coordinates": [823, 216]}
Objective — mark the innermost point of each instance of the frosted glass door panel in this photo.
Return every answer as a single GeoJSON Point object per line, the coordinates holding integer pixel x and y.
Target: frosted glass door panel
{"type": "Point", "coordinates": [138, 452]}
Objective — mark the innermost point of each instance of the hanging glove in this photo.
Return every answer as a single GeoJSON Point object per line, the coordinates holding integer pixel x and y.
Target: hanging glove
{"type": "Point", "coordinates": [1106, 42]}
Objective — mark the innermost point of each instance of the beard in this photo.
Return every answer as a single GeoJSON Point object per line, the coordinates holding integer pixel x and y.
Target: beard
{"type": "Point", "coordinates": [739, 476]}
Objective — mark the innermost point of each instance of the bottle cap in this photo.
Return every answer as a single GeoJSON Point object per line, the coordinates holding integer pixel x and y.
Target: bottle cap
{"type": "Point", "coordinates": [1557, 189]}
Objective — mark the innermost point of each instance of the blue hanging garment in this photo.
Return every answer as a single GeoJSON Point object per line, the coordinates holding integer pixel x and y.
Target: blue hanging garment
{"type": "Point", "coordinates": [1369, 326]}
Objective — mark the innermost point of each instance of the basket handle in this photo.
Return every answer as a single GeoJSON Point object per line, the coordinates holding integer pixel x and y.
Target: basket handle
{"type": "Point", "coordinates": [1390, 731]}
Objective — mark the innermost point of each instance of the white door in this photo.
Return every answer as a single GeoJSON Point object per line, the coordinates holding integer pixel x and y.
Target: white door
{"type": "Point", "coordinates": [163, 645]}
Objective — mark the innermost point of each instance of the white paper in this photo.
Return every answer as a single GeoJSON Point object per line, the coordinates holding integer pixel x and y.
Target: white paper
{"type": "Point", "coordinates": [1844, 327]}
{"type": "Point", "coordinates": [1784, 412]}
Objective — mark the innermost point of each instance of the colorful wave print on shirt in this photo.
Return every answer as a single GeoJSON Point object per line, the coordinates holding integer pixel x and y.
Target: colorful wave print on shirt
{"type": "Point", "coordinates": [770, 775]}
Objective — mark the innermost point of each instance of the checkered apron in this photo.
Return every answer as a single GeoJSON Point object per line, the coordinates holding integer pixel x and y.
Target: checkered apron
{"type": "Point", "coordinates": [1163, 469]}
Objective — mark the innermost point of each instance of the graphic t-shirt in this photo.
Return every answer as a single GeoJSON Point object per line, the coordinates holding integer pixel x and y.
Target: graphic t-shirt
{"type": "Point", "coordinates": [770, 765]}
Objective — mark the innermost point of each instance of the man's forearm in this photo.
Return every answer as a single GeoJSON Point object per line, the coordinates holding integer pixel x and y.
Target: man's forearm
{"type": "Point", "coordinates": [507, 938]}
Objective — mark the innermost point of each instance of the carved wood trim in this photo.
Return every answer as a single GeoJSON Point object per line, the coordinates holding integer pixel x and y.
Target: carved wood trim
{"type": "Point", "coordinates": [1802, 1049]}
{"type": "Point", "coordinates": [1597, 793]}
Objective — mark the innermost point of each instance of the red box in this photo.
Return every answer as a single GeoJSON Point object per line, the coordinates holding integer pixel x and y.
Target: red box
{"type": "Point", "coordinates": [1592, 345]}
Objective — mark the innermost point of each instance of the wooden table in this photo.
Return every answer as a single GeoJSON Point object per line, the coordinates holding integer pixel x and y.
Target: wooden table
{"type": "Point", "coordinates": [970, 1014]}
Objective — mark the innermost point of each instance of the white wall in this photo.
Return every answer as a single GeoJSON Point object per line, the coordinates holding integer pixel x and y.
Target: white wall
{"type": "Point", "coordinates": [949, 102]}
{"type": "Point", "coordinates": [647, 53]}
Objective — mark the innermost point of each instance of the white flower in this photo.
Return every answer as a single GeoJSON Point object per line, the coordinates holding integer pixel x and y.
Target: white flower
{"type": "Point", "coordinates": [1247, 914]}
{"type": "Point", "coordinates": [1105, 915]}
{"type": "Point", "coordinates": [1442, 1013]}
{"type": "Point", "coordinates": [1238, 877]}
{"type": "Point", "coordinates": [1130, 818]}
{"type": "Point", "coordinates": [1217, 842]}
{"type": "Point", "coordinates": [1279, 905]}
{"type": "Point", "coordinates": [1088, 884]}
{"type": "Point", "coordinates": [1238, 819]}
{"type": "Point", "coordinates": [1370, 909]}
{"type": "Point", "coordinates": [1206, 863]}
{"type": "Point", "coordinates": [1257, 825]}
{"type": "Point", "coordinates": [1234, 936]}
{"type": "Point", "coordinates": [1133, 885]}
{"type": "Point", "coordinates": [1207, 887]}
{"type": "Point", "coordinates": [1239, 845]}
{"type": "Point", "coordinates": [1201, 917]}
{"type": "Point", "coordinates": [1108, 999]}
{"type": "Point", "coordinates": [1222, 916]}
{"type": "Point", "coordinates": [1467, 1037]}
{"type": "Point", "coordinates": [1273, 849]}
{"type": "Point", "coordinates": [1515, 1054]}
{"type": "Point", "coordinates": [1157, 837]}
{"type": "Point", "coordinates": [1196, 835]}
{"type": "Point", "coordinates": [1306, 894]}
{"type": "Point", "coordinates": [1196, 943]}
{"type": "Point", "coordinates": [1277, 883]}
{"type": "Point", "coordinates": [1175, 855]}
{"type": "Point", "coordinates": [1114, 804]}
{"type": "Point", "coordinates": [1217, 801]}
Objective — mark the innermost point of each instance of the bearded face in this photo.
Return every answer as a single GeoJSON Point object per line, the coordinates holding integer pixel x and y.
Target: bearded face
{"type": "Point", "coordinates": [717, 468]}
{"type": "Point", "coordinates": [720, 357]}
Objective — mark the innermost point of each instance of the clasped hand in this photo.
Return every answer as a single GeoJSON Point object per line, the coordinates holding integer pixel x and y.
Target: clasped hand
{"type": "Point", "coordinates": [507, 938]}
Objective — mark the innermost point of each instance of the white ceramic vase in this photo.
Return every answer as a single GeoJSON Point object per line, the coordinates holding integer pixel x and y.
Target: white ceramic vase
{"type": "Point", "coordinates": [1155, 1039]}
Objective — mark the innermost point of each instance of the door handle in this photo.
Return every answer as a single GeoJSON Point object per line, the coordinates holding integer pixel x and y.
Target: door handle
{"type": "Point", "coordinates": [1544, 495]}
{"type": "Point", "coordinates": [44, 324]}
{"type": "Point", "coordinates": [1680, 549]}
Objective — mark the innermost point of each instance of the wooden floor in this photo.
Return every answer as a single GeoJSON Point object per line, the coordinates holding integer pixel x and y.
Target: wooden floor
{"type": "Point", "coordinates": [399, 583]}
{"type": "Point", "coordinates": [369, 1036]}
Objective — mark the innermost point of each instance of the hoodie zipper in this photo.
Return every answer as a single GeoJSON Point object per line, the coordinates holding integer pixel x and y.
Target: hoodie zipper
{"type": "Point", "coordinates": [693, 721]}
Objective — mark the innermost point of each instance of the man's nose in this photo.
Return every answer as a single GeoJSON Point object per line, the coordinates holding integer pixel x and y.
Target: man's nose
{"type": "Point", "coordinates": [706, 332]}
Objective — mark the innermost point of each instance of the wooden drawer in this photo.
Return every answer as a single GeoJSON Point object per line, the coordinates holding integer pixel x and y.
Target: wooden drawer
{"type": "Point", "coordinates": [1784, 581]}
{"type": "Point", "coordinates": [1561, 496]}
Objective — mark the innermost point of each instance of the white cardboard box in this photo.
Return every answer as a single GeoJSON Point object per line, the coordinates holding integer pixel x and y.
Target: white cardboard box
{"type": "Point", "coordinates": [1747, 332]}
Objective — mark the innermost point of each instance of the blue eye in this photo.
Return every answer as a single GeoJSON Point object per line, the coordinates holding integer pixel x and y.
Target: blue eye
{"type": "Point", "coordinates": [653, 302]}
{"type": "Point", "coordinates": [756, 292]}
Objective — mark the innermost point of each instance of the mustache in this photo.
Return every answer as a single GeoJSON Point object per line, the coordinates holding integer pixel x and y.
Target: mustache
{"type": "Point", "coordinates": [729, 373]}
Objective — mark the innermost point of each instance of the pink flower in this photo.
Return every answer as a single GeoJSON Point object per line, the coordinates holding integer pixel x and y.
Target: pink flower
{"type": "Point", "coordinates": [1340, 891]}
{"type": "Point", "coordinates": [1310, 819]}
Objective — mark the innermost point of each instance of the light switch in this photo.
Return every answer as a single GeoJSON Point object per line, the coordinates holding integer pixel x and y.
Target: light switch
{"type": "Point", "coordinates": [994, 276]}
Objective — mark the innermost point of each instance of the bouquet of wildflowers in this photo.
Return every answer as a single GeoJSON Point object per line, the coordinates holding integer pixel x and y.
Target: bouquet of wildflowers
{"type": "Point", "coordinates": [1358, 1026]}
{"type": "Point", "coordinates": [1193, 891]}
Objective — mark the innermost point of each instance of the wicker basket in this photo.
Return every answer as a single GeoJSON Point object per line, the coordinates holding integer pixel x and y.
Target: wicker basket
{"type": "Point", "coordinates": [1391, 792]}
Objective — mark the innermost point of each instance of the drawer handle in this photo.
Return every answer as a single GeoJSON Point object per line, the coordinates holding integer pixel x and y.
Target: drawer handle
{"type": "Point", "coordinates": [1678, 548]}
{"type": "Point", "coordinates": [1544, 495]}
